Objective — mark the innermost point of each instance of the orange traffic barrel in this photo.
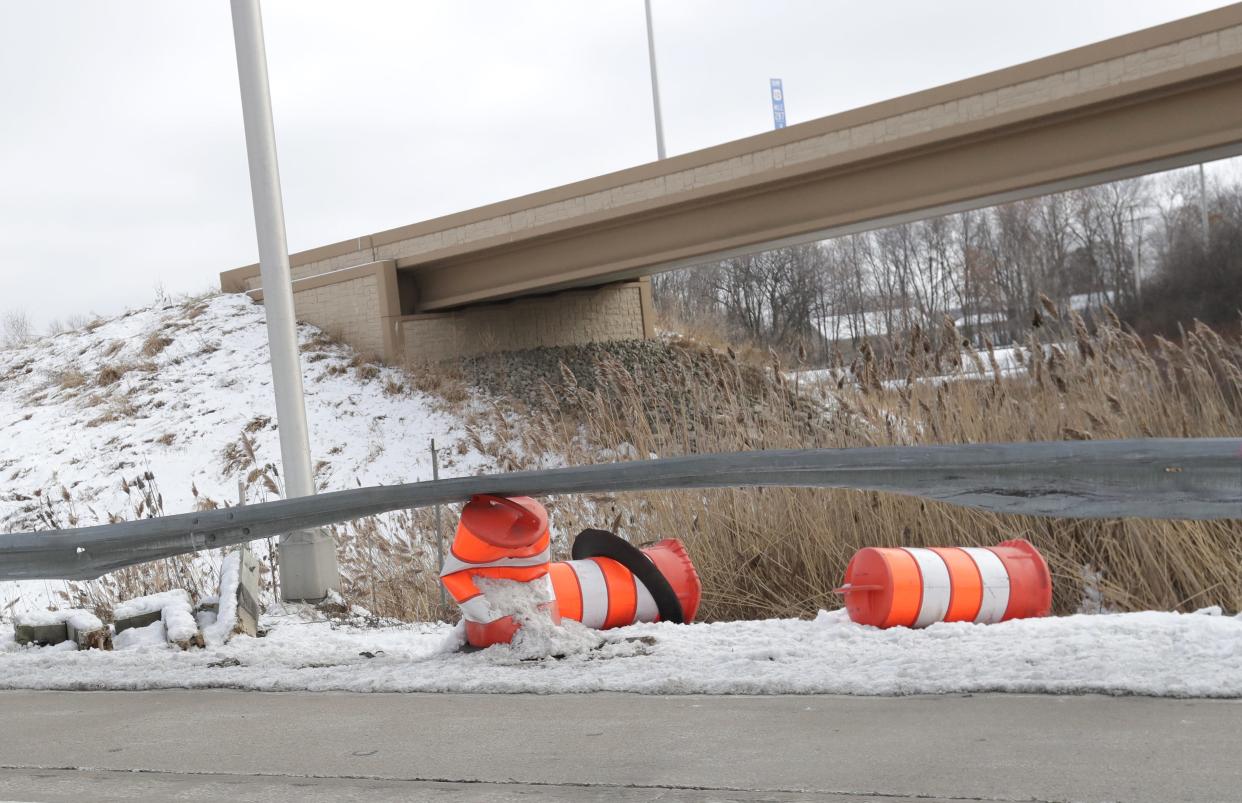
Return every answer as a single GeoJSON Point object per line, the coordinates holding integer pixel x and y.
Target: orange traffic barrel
{"type": "Point", "coordinates": [502, 522]}
{"type": "Point", "coordinates": [498, 538]}
{"type": "Point", "coordinates": [915, 587]}
{"type": "Point", "coordinates": [611, 583]}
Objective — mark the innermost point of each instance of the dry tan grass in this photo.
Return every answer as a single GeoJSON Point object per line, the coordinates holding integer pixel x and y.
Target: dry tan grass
{"type": "Point", "coordinates": [321, 340]}
{"type": "Point", "coordinates": [442, 380]}
{"type": "Point", "coordinates": [154, 344]}
{"type": "Point", "coordinates": [69, 379]}
{"type": "Point", "coordinates": [389, 564]}
{"type": "Point", "coordinates": [111, 374]}
{"type": "Point", "coordinates": [117, 408]}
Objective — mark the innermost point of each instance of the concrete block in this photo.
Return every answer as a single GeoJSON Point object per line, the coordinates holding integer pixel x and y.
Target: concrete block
{"type": "Point", "coordinates": [41, 635]}
{"type": "Point", "coordinates": [175, 608]}
{"type": "Point", "coordinates": [139, 620]}
{"type": "Point", "coordinates": [46, 628]}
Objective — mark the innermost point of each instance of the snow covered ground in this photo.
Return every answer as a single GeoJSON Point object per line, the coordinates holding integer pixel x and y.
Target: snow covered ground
{"type": "Point", "coordinates": [851, 326]}
{"type": "Point", "coordinates": [1163, 654]}
{"type": "Point", "coordinates": [186, 381]}
{"type": "Point", "coordinates": [1010, 361]}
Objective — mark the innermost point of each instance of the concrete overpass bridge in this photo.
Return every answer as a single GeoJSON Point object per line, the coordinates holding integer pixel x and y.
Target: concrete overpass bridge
{"type": "Point", "coordinates": [567, 265]}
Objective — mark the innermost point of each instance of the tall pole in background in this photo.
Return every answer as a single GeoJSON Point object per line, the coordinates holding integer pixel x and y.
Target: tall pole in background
{"type": "Point", "coordinates": [1203, 205]}
{"type": "Point", "coordinates": [308, 569]}
{"type": "Point", "coordinates": [655, 84]}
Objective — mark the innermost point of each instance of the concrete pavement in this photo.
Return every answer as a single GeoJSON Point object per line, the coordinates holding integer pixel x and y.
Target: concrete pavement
{"type": "Point", "coordinates": [241, 746]}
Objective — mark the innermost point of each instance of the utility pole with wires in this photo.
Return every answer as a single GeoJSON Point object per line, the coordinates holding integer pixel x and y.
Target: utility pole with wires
{"type": "Point", "coordinates": [308, 567]}
{"type": "Point", "coordinates": [655, 84]}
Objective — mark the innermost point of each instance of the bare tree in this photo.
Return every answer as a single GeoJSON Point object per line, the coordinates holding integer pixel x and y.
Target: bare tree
{"type": "Point", "coordinates": [986, 268]}
{"type": "Point", "coordinates": [15, 329]}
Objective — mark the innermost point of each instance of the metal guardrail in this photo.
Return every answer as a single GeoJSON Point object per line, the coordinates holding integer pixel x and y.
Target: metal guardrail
{"type": "Point", "coordinates": [1155, 478]}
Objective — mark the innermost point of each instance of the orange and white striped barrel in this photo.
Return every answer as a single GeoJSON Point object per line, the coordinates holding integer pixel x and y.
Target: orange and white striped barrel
{"type": "Point", "coordinates": [498, 538]}
{"type": "Point", "coordinates": [916, 587]}
{"type": "Point", "coordinates": [601, 593]}
{"type": "Point", "coordinates": [613, 584]}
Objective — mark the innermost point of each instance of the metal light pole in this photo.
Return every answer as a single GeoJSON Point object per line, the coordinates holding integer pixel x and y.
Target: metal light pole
{"type": "Point", "coordinates": [1203, 205]}
{"type": "Point", "coordinates": [1137, 233]}
{"type": "Point", "coordinates": [308, 568]}
{"type": "Point", "coordinates": [655, 84]}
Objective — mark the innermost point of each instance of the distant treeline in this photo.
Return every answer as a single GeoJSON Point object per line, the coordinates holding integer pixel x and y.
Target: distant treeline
{"type": "Point", "coordinates": [986, 270]}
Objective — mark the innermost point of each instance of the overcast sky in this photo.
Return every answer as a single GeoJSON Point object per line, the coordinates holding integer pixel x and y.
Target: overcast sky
{"type": "Point", "coordinates": [123, 163]}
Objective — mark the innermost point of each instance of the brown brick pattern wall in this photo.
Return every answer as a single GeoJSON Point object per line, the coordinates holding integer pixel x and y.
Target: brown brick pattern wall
{"type": "Point", "coordinates": [349, 310]}
{"type": "Point", "coordinates": [355, 304]}
{"type": "Point", "coordinates": [614, 312]}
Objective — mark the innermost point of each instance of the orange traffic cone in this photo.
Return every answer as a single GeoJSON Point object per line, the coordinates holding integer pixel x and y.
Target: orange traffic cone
{"type": "Point", "coordinates": [611, 583]}
{"type": "Point", "coordinates": [913, 587]}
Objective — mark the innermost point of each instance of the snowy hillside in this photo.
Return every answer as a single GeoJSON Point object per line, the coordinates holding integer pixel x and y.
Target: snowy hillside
{"type": "Point", "coordinates": [171, 390]}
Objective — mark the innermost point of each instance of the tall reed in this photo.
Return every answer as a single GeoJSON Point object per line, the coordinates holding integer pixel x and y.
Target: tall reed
{"type": "Point", "coordinates": [781, 552]}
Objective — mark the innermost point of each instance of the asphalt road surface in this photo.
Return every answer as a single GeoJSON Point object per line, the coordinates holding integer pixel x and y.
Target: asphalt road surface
{"type": "Point", "coordinates": [248, 746]}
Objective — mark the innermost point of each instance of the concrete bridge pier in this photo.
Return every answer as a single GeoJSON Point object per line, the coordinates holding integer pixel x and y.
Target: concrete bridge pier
{"type": "Point", "coordinates": [371, 308]}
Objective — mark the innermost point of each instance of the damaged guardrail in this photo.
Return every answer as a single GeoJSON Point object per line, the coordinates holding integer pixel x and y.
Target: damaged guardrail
{"type": "Point", "coordinates": [1151, 478]}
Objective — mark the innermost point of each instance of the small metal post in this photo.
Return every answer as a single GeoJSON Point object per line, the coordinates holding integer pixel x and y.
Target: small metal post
{"type": "Point", "coordinates": [435, 475]}
{"type": "Point", "coordinates": [308, 565]}
{"type": "Point", "coordinates": [655, 84]}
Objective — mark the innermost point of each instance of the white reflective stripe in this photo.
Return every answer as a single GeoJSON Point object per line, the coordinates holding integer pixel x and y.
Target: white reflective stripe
{"type": "Point", "coordinates": [478, 609]}
{"type": "Point", "coordinates": [937, 587]}
{"type": "Point", "coordinates": [995, 584]}
{"type": "Point", "coordinates": [594, 592]}
{"type": "Point", "coordinates": [453, 564]}
{"type": "Point", "coordinates": [645, 610]}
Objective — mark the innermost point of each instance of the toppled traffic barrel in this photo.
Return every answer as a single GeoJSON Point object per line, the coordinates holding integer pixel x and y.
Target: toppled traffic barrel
{"type": "Point", "coordinates": [915, 587]}
{"type": "Point", "coordinates": [611, 583]}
